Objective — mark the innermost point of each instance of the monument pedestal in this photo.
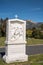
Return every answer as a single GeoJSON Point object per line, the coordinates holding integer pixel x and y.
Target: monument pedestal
{"type": "Point", "coordinates": [15, 58]}
{"type": "Point", "coordinates": [15, 49]}
{"type": "Point", "coordinates": [15, 53]}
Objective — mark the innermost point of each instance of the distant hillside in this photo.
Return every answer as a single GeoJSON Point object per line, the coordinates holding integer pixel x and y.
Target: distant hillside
{"type": "Point", "coordinates": [30, 24]}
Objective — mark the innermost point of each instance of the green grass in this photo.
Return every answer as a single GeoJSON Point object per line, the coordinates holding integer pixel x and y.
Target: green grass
{"type": "Point", "coordinates": [15, 63]}
{"type": "Point", "coordinates": [2, 41]}
{"type": "Point", "coordinates": [32, 60]}
{"type": "Point", "coordinates": [35, 58]}
{"type": "Point", "coordinates": [36, 64]}
{"type": "Point", "coordinates": [31, 41]}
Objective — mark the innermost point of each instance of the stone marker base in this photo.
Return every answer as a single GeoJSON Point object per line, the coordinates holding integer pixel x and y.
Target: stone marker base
{"type": "Point", "coordinates": [15, 53]}
{"type": "Point", "coordinates": [15, 58]}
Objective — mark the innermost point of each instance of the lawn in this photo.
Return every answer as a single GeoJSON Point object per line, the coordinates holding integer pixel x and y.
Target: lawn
{"type": "Point", "coordinates": [32, 60]}
{"type": "Point", "coordinates": [35, 58]}
{"type": "Point", "coordinates": [33, 41]}
{"type": "Point", "coordinates": [2, 41]}
{"type": "Point", "coordinates": [30, 41]}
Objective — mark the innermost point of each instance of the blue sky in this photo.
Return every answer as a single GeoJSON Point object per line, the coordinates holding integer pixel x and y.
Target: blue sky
{"type": "Point", "coordinates": [25, 9]}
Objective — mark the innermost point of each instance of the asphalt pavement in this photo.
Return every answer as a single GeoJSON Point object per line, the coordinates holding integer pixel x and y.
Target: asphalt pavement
{"type": "Point", "coordinates": [30, 50]}
{"type": "Point", "coordinates": [34, 49]}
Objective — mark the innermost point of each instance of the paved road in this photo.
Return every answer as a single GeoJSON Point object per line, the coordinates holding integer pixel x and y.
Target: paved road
{"type": "Point", "coordinates": [30, 50]}
{"type": "Point", "coordinates": [2, 51]}
{"type": "Point", "coordinates": [35, 49]}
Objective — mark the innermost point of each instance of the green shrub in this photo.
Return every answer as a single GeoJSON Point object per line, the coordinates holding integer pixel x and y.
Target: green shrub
{"type": "Point", "coordinates": [37, 34]}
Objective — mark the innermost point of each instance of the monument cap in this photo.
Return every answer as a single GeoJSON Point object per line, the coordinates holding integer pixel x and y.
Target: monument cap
{"type": "Point", "coordinates": [16, 16]}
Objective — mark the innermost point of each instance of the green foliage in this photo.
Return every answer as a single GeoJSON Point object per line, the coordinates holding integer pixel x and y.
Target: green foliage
{"type": "Point", "coordinates": [28, 33]}
{"type": "Point", "coordinates": [41, 35]}
{"type": "Point", "coordinates": [3, 27]}
{"type": "Point", "coordinates": [36, 34]}
{"type": "Point", "coordinates": [41, 26]}
{"type": "Point", "coordinates": [0, 32]}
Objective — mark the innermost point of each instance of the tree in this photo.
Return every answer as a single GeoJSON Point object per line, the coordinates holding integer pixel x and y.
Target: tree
{"type": "Point", "coordinates": [41, 26]}
{"type": "Point", "coordinates": [36, 33]}
{"type": "Point", "coordinates": [3, 27]}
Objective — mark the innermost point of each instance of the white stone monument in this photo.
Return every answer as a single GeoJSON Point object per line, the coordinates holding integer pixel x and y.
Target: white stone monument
{"type": "Point", "coordinates": [15, 45]}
